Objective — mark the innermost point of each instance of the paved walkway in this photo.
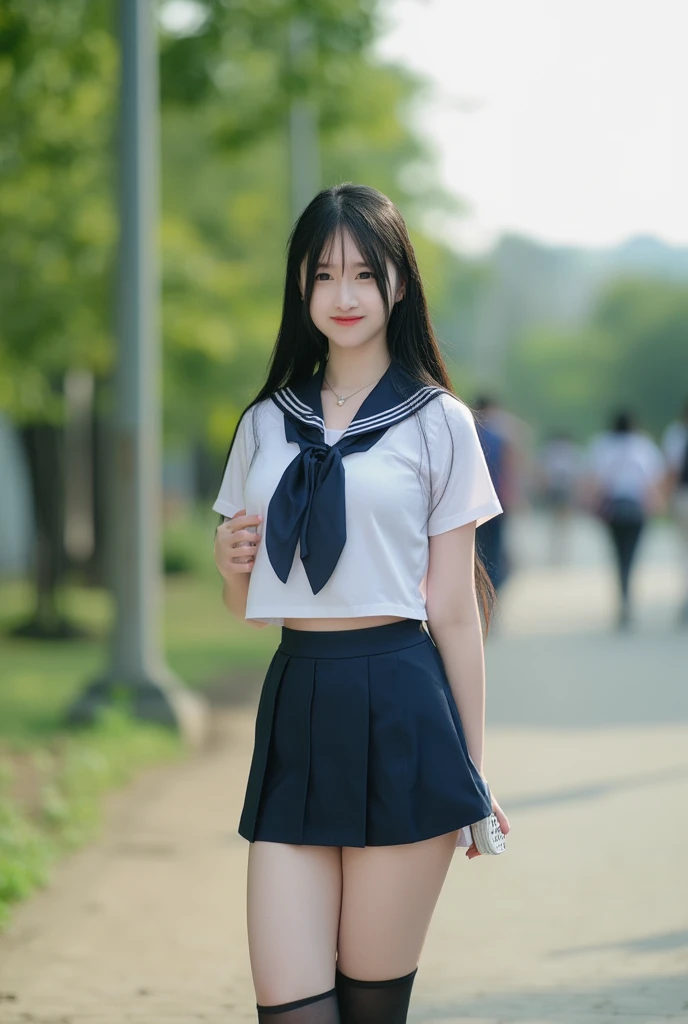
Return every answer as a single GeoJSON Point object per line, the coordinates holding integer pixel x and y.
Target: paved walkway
{"type": "Point", "coordinates": [584, 919]}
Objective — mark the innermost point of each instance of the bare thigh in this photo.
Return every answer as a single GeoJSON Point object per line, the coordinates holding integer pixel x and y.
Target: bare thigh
{"type": "Point", "coordinates": [293, 905]}
{"type": "Point", "coordinates": [389, 894]}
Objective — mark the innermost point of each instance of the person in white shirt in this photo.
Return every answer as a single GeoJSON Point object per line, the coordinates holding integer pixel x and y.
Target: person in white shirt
{"type": "Point", "coordinates": [625, 471]}
{"type": "Point", "coordinates": [675, 448]}
{"type": "Point", "coordinates": [350, 498]}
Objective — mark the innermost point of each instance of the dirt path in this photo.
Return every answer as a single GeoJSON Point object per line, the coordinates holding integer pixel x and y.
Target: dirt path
{"type": "Point", "coordinates": [585, 918]}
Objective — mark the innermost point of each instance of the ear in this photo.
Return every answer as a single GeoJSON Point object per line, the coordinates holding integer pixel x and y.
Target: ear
{"type": "Point", "coordinates": [401, 291]}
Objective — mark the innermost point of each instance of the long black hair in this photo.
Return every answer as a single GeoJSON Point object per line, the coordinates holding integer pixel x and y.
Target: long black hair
{"type": "Point", "coordinates": [379, 231]}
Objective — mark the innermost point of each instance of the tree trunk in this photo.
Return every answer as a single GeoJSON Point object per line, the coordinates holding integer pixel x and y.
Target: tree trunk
{"type": "Point", "coordinates": [43, 445]}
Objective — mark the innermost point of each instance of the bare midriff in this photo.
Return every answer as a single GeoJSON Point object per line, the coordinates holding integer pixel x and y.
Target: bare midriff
{"type": "Point", "coordinates": [360, 622]}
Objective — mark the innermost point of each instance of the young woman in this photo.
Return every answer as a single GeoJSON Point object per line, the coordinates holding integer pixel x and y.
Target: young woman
{"type": "Point", "coordinates": [350, 499]}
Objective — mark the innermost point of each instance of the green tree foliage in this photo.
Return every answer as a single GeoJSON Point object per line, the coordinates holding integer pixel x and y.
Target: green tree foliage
{"type": "Point", "coordinates": [633, 353]}
{"type": "Point", "coordinates": [240, 53]}
{"type": "Point", "coordinates": [226, 88]}
{"type": "Point", "coordinates": [58, 64]}
{"type": "Point", "coordinates": [225, 237]}
{"type": "Point", "coordinates": [646, 323]}
{"type": "Point", "coordinates": [559, 380]}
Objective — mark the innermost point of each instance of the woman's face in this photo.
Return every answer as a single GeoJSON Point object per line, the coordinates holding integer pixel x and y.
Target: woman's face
{"type": "Point", "coordinates": [346, 304]}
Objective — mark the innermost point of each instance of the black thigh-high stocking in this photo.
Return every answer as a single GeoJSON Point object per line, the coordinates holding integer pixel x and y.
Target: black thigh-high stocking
{"type": "Point", "coordinates": [374, 1002]}
{"type": "Point", "coordinates": [320, 1009]}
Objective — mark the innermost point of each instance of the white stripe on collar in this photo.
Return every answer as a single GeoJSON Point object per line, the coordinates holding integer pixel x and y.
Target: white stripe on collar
{"type": "Point", "coordinates": [295, 400]}
{"type": "Point", "coordinates": [310, 418]}
{"type": "Point", "coordinates": [293, 405]}
{"type": "Point", "coordinates": [370, 422]}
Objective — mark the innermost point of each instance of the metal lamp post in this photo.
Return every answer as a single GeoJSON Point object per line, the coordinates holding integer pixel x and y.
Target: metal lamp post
{"type": "Point", "coordinates": [137, 670]}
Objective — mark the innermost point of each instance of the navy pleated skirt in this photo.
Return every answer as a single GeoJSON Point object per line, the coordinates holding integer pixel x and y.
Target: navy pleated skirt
{"type": "Point", "coordinates": [358, 742]}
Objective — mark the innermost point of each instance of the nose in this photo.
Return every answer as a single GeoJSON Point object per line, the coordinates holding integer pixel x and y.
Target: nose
{"type": "Point", "coordinates": [346, 297]}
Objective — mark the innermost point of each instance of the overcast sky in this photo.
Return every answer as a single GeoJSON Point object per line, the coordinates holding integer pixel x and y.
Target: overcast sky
{"type": "Point", "coordinates": [563, 119]}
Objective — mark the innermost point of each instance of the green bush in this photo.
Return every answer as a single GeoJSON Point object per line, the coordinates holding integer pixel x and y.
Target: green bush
{"type": "Point", "coordinates": [74, 773]}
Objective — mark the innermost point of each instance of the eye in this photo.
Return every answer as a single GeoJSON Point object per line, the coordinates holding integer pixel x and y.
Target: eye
{"type": "Point", "coordinates": [323, 274]}
{"type": "Point", "coordinates": [367, 274]}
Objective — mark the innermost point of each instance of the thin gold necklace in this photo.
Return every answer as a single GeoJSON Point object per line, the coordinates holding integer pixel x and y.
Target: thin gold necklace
{"type": "Point", "coordinates": [341, 399]}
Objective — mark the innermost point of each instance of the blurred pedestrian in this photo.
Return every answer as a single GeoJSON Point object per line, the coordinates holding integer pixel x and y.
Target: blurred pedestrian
{"type": "Point", "coordinates": [558, 470]}
{"type": "Point", "coordinates": [675, 448]}
{"type": "Point", "coordinates": [624, 479]}
{"type": "Point", "coordinates": [489, 537]}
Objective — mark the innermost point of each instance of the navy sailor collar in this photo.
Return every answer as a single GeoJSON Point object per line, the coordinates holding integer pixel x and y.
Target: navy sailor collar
{"type": "Point", "coordinates": [308, 505]}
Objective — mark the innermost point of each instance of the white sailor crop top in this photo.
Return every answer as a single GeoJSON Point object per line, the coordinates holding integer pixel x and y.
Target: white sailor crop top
{"type": "Point", "coordinates": [367, 539]}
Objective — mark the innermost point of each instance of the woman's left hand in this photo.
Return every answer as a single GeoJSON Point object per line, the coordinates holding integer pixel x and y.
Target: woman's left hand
{"type": "Point", "coordinates": [472, 850]}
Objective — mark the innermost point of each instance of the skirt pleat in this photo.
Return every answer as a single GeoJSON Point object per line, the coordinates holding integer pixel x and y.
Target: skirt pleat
{"type": "Point", "coordinates": [336, 805]}
{"type": "Point", "coordinates": [265, 717]}
{"type": "Point", "coordinates": [359, 742]}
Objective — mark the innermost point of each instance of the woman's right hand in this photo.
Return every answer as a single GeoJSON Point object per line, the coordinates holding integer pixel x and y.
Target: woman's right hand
{"type": "Point", "coordinates": [236, 544]}
{"type": "Point", "coordinates": [472, 850]}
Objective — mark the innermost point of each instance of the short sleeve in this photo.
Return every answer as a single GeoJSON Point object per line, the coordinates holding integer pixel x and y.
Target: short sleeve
{"type": "Point", "coordinates": [462, 489]}
{"type": "Point", "coordinates": [231, 496]}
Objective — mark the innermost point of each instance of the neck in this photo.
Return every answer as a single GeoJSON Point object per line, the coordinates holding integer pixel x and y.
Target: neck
{"type": "Point", "coordinates": [348, 369]}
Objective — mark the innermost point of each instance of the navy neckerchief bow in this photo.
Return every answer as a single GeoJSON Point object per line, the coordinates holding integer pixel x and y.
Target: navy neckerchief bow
{"type": "Point", "coordinates": [309, 505]}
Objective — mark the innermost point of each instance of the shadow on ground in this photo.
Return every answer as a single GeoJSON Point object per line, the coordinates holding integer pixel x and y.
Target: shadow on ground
{"type": "Point", "coordinates": [588, 680]}
{"type": "Point", "coordinates": [642, 1000]}
{"type": "Point", "coordinates": [667, 942]}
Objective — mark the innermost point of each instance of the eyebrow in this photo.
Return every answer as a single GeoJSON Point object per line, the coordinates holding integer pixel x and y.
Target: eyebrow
{"type": "Point", "coordinates": [331, 264]}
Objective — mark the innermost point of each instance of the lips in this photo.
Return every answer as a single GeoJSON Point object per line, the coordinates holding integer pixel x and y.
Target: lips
{"type": "Point", "coordinates": [346, 319]}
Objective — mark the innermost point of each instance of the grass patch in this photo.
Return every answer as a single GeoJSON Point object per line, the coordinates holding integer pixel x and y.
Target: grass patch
{"type": "Point", "coordinates": [52, 780]}
{"type": "Point", "coordinates": [51, 795]}
{"type": "Point", "coordinates": [201, 640]}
